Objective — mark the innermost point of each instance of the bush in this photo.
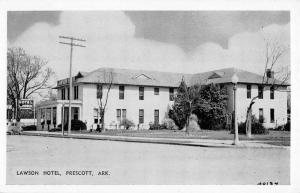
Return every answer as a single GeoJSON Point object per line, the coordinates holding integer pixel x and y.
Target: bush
{"type": "Point", "coordinates": [157, 126]}
{"type": "Point", "coordinates": [287, 126]}
{"type": "Point", "coordinates": [193, 117]}
{"type": "Point", "coordinates": [177, 116]}
{"type": "Point", "coordinates": [256, 128]}
{"type": "Point", "coordinates": [127, 123]}
{"type": "Point", "coordinates": [76, 125]}
{"type": "Point", "coordinates": [29, 128]}
{"type": "Point", "coordinates": [193, 123]}
{"type": "Point", "coordinates": [193, 126]}
{"type": "Point", "coordinates": [169, 124]}
{"type": "Point", "coordinates": [55, 129]}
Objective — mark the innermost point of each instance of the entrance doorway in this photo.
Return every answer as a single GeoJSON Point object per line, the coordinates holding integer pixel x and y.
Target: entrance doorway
{"type": "Point", "coordinates": [74, 114]}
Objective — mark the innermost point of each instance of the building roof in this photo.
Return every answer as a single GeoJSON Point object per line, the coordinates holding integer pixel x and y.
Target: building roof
{"type": "Point", "coordinates": [134, 77]}
{"type": "Point", "coordinates": [225, 75]}
{"type": "Point", "coordinates": [167, 79]}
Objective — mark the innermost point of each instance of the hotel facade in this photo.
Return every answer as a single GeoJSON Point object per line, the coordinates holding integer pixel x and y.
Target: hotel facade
{"type": "Point", "coordinates": [145, 97]}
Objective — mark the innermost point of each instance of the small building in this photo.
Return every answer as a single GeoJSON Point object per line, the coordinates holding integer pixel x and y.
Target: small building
{"type": "Point", "coordinates": [144, 97]}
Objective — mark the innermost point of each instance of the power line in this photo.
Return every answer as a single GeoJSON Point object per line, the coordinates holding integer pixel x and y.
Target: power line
{"type": "Point", "coordinates": [71, 44]}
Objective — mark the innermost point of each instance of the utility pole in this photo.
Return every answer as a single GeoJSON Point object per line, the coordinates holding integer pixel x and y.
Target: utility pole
{"type": "Point", "coordinates": [71, 44]}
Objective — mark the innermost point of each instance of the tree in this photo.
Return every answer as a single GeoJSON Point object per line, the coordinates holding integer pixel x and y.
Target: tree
{"type": "Point", "coordinates": [26, 75]}
{"type": "Point", "coordinates": [208, 102]}
{"type": "Point", "coordinates": [274, 50]}
{"type": "Point", "coordinates": [182, 107]}
{"type": "Point", "coordinates": [106, 80]}
{"type": "Point", "coordinates": [210, 106]}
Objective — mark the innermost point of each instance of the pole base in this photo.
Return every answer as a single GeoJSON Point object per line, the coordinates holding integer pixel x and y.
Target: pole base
{"type": "Point", "coordinates": [236, 143]}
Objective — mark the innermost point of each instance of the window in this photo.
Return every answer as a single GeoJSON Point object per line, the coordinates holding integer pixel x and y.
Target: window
{"type": "Point", "coordinates": [68, 96]}
{"type": "Point", "coordinates": [54, 116]}
{"type": "Point", "coordinates": [95, 116]}
{"type": "Point", "coordinates": [272, 115]}
{"type": "Point", "coordinates": [141, 93]}
{"type": "Point", "coordinates": [260, 92]}
{"type": "Point", "coordinates": [63, 96]}
{"type": "Point", "coordinates": [156, 116]}
{"type": "Point", "coordinates": [76, 113]}
{"type": "Point", "coordinates": [261, 115]}
{"type": "Point", "coordinates": [75, 92]}
{"type": "Point", "coordinates": [156, 91]}
{"type": "Point", "coordinates": [123, 114]}
{"type": "Point", "coordinates": [248, 91]}
{"type": "Point", "coordinates": [272, 92]}
{"type": "Point", "coordinates": [171, 94]}
{"type": "Point", "coordinates": [141, 116]}
{"type": "Point", "coordinates": [99, 91]}
{"type": "Point", "coordinates": [121, 92]}
{"type": "Point", "coordinates": [119, 115]}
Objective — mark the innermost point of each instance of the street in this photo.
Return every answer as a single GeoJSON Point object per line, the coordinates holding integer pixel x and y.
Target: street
{"type": "Point", "coordinates": [49, 160]}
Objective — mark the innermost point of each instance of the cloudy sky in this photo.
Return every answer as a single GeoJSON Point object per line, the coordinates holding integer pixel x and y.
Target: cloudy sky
{"type": "Point", "coordinates": [175, 41]}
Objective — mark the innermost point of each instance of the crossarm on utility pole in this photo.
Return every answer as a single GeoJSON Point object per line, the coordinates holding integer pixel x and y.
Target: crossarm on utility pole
{"type": "Point", "coordinates": [71, 44]}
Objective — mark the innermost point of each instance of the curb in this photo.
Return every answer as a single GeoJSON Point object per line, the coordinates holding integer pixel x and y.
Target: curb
{"type": "Point", "coordinates": [149, 140]}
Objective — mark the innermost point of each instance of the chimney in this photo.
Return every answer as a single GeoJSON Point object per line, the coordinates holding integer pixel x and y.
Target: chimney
{"type": "Point", "coordinates": [270, 73]}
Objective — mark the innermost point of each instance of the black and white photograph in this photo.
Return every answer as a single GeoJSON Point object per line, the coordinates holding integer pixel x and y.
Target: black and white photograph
{"type": "Point", "coordinates": [148, 97]}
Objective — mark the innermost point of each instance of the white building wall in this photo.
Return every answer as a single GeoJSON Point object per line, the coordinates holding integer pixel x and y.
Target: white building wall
{"type": "Point", "coordinates": [279, 104]}
{"type": "Point", "coordinates": [131, 103]}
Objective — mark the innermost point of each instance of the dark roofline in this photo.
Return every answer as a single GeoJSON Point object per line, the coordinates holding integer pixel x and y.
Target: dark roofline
{"type": "Point", "coordinates": [190, 78]}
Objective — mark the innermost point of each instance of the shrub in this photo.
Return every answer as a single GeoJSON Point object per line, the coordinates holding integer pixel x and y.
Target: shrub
{"type": "Point", "coordinates": [287, 126]}
{"type": "Point", "coordinates": [29, 128]}
{"type": "Point", "coordinates": [193, 117]}
{"type": "Point", "coordinates": [256, 127]}
{"type": "Point", "coordinates": [76, 125]}
{"type": "Point", "coordinates": [55, 129]}
{"type": "Point", "coordinates": [177, 116]}
{"type": "Point", "coordinates": [157, 126]}
{"type": "Point", "coordinates": [169, 124]}
{"type": "Point", "coordinates": [193, 123]}
{"type": "Point", "coordinates": [127, 123]}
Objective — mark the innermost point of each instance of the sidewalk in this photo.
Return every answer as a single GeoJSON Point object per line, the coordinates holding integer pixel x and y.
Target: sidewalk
{"type": "Point", "coordinates": [170, 141]}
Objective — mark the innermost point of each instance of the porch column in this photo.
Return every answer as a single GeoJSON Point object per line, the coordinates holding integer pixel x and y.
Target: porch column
{"type": "Point", "coordinates": [58, 114]}
{"type": "Point", "coordinates": [51, 117]}
{"type": "Point", "coordinates": [38, 119]}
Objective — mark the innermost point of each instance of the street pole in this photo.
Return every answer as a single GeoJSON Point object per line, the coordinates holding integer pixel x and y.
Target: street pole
{"type": "Point", "coordinates": [70, 89]}
{"type": "Point", "coordinates": [33, 113]}
{"type": "Point", "coordinates": [236, 130]}
{"type": "Point", "coordinates": [63, 118]}
{"type": "Point", "coordinates": [71, 44]}
{"type": "Point", "coordinates": [234, 80]}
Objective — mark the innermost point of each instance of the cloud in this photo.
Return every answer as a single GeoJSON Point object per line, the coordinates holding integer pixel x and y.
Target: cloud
{"type": "Point", "coordinates": [245, 51]}
{"type": "Point", "coordinates": [111, 43]}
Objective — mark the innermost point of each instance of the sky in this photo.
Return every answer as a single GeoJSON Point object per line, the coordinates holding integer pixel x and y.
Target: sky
{"type": "Point", "coordinates": [173, 41]}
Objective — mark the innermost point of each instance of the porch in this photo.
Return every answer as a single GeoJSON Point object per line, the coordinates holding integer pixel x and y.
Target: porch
{"type": "Point", "coordinates": [51, 113]}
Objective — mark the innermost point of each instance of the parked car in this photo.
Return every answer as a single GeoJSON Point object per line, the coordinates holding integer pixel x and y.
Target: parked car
{"type": "Point", "coordinates": [13, 129]}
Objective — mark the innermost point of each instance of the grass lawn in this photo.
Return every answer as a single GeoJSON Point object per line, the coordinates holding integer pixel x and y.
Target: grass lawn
{"type": "Point", "coordinates": [281, 138]}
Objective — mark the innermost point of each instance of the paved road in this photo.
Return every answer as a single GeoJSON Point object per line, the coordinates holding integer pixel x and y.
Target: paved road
{"type": "Point", "coordinates": [140, 163]}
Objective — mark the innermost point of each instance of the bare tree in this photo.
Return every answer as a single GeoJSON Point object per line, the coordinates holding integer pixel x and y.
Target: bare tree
{"type": "Point", "coordinates": [274, 50]}
{"type": "Point", "coordinates": [106, 80]}
{"type": "Point", "coordinates": [26, 75]}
